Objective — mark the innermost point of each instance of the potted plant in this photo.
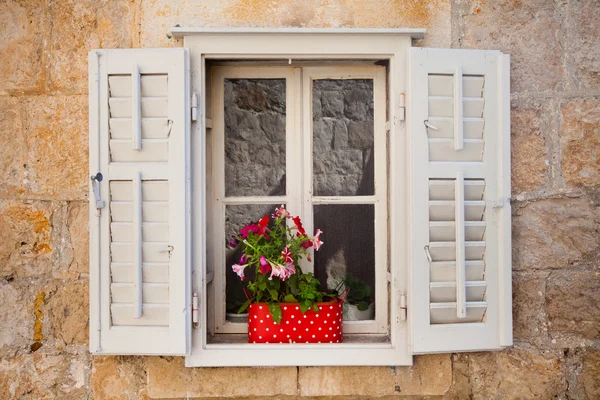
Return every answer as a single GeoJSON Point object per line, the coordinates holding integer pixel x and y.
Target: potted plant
{"type": "Point", "coordinates": [359, 305]}
{"type": "Point", "coordinates": [284, 304]}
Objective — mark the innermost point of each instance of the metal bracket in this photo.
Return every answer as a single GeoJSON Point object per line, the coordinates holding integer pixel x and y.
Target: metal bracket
{"type": "Point", "coordinates": [403, 309]}
{"type": "Point", "coordinates": [195, 319]}
{"type": "Point", "coordinates": [194, 107]}
{"type": "Point", "coordinates": [430, 126]}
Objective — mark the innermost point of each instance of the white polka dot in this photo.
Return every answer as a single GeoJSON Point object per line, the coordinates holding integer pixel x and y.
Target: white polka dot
{"type": "Point", "coordinates": [311, 322]}
{"type": "Point", "coordinates": [313, 336]}
{"type": "Point", "coordinates": [285, 308]}
{"type": "Point", "coordinates": [325, 321]}
{"type": "Point", "coordinates": [296, 308]}
{"type": "Point", "coordinates": [329, 328]}
{"type": "Point", "coordinates": [317, 315]}
{"type": "Point", "coordinates": [304, 316]}
{"type": "Point", "coordinates": [319, 341]}
{"type": "Point", "coordinates": [254, 341]}
{"type": "Point", "coordinates": [299, 321]}
{"type": "Point", "coordinates": [260, 337]}
{"type": "Point", "coordinates": [334, 335]}
{"type": "Point", "coordinates": [326, 335]}
{"type": "Point", "coordinates": [299, 337]}
{"type": "Point", "coordinates": [320, 308]}
{"type": "Point", "coordinates": [274, 336]}
{"type": "Point", "coordinates": [306, 329]}
{"type": "Point", "coordinates": [254, 329]}
{"type": "Point", "coordinates": [331, 341]}
{"type": "Point", "coordinates": [274, 323]}
{"type": "Point", "coordinates": [337, 313]}
{"type": "Point", "coordinates": [307, 341]}
{"type": "Point", "coordinates": [319, 328]}
{"type": "Point", "coordinates": [294, 328]}
{"type": "Point", "coordinates": [281, 330]}
{"type": "Point", "coordinates": [328, 315]}
{"type": "Point", "coordinates": [287, 322]}
{"type": "Point", "coordinates": [267, 341]}
{"type": "Point", "coordinates": [268, 316]}
{"type": "Point", "coordinates": [260, 307]}
{"type": "Point", "coordinates": [331, 307]}
{"type": "Point", "coordinates": [255, 316]}
{"type": "Point", "coordinates": [288, 335]}
{"type": "Point", "coordinates": [293, 316]}
{"type": "Point", "coordinates": [261, 321]}
{"type": "Point", "coordinates": [267, 329]}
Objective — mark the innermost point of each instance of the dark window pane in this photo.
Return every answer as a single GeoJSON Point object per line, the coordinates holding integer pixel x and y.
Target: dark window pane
{"type": "Point", "coordinates": [349, 244]}
{"type": "Point", "coordinates": [254, 137]}
{"type": "Point", "coordinates": [343, 132]}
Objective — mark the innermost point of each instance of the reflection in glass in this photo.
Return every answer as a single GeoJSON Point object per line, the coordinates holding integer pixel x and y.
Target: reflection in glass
{"type": "Point", "coordinates": [237, 216]}
{"type": "Point", "coordinates": [254, 137]}
{"type": "Point", "coordinates": [343, 132]}
{"type": "Point", "coordinates": [349, 244]}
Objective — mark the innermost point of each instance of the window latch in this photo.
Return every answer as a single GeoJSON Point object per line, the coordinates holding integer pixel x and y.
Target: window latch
{"type": "Point", "coordinates": [430, 126]}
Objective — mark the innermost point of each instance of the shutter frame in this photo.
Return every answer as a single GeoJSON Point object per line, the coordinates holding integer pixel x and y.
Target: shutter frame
{"type": "Point", "coordinates": [495, 330]}
{"type": "Point", "coordinates": [141, 336]}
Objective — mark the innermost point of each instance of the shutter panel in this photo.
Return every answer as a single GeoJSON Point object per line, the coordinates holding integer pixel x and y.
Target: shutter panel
{"type": "Point", "coordinates": [139, 240]}
{"type": "Point", "coordinates": [460, 160]}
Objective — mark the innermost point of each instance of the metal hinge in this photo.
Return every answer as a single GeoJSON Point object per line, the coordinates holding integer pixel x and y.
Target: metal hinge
{"type": "Point", "coordinates": [402, 103]}
{"type": "Point", "coordinates": [194, 107]}
{"type": "Point", "coordinates": [403, 307]}
{"type": "Point", "coordinates": [195, 310]}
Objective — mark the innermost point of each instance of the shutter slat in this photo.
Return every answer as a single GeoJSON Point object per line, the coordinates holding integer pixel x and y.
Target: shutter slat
{"type": "Point", "coordinates": [155, 150]}
{"type": "Point", "coordinates": [443, 150]}
{"type": "Point", "coordinates": [151, 107]}
{"type": "Point", "coordinates": [443, 292]}
{"type": "Point", "coordinates": [151, 85]}
{"type": "Point", "coordinates": [472, 128]}
{"type": "Point", "coordinates": [151, 211]}
{"type": "Point", "coordinates": [152, 128]}
{"type": "Point", "coordinates": [154, 315]}
{"type": "Point", "coordinates": [445, 313]}
{"type": "Point", "coordinates": [443, 106]}
{"type": "Point", "coordinates": [443, 85]}
{"type": "Point", "coordinates": [151, 231]}
{"type": "Point", "coordinates": [151, 273]}
{"type": "Point", "coordinates": [442, 271]}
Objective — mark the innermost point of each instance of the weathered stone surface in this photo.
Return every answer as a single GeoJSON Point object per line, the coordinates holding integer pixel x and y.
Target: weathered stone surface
{"type": "Point", "coordinates": [431, 375]}
{"type": "Point", "coordinates": [78, 223]}
{"type": "Point", "coordinates": [56, 134]}
{"type": "Point", "coordinates": [22, 27]}
{"type": "Point", "coordinates": [25, 245]}
{"type": "Point", "coordinates": [42, 376]}
{"type": "Point", "coordinates": [516, 373]}
{"type": "Point", "coordinates": [115, 378]}
{"type": "Point", "coordinates": [554, 233]}
{"type": "Point", "coordinates": [529, 312]}
{"type": "Point", "coordinates": [572, 299]}
{"type": "Point", "coordinates": [68, 311]}
{"type": "Point", "coordinates": [580, 142]}
{"type": "Point", "coordinates": [159, 15]}
{"type": "Point", "coordinates": [80, 26]}
{"type": "Point", "coordinates": [16, 322]}
{"type": "Point", "coordinates": [584, 47]}
{"type": "Point", "coordinates": [12, 146]}
{"type": "Point", "coordinates": [590, 374]}
{"type": "Point", "coordinates": [169, 379]}
{"type": "Point", "coordinates": [532, 32]}
{"type": "Point", "coordinates": [529, 154]}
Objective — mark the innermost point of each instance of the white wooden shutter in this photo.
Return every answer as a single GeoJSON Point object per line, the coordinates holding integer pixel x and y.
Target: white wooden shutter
{"type": "Point", "coordinates": [139, 211]}
{"type": "Point", "coordinates": [459, 127]}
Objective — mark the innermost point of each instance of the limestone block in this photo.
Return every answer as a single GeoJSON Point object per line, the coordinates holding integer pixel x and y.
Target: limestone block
{"type": "Point", "coordinates": [431, 375]}
{"type": "Point", "coordinates": [529, 154]}
{"type": "Point", "coordinates": [25, 238]}
{"type": "Point", "coordinates": [78, 225]}
{"type": "Point", "coordinates": [44, 376]}
{"type": "Point", "coordinates": [80, 26]}
{"type": "Point", "coordinates": [116, 378]}
{"type": "Point", "coordinates": [159, 15]}
{"type": "Point", "coordinates": [584, 47]}
{"type": "Point", "coordinates": [580, 142]}
{"type": "Point", "coordinates": [168, 379]}
{"type": "Point", "coordinates": [516, 373]}
{"type": "Point", "coordinates": [68, 311]}
{"type": "Point", "coordinates": [16, 327]}
{"type": "Point", "coordinates": [22, 28]}
{"type": "Point", "coordinates": [532, 32]}
{"type": "Point", "coordinates": [56, 135]}
{"type": "Point", "coordinates": [12, 146]}
{"type": "Point", "coordinates": [529, 315]}
{"type": "Point", "coordinates": [554, 233]}
{"type": "Point", "coordinates": [572, 299]}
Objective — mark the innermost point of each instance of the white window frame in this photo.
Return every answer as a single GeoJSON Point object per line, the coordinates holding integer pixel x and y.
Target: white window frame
{"type": "Point", "coordinates": [299, 196]}
{"type": "Point", "coordinates": [315, 44]}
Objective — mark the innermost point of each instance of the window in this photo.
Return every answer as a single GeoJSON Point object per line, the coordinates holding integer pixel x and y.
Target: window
{"type": "Point", "coordinates": [432, 174]}
{"type": "Point", "coordinates": [312, 138]}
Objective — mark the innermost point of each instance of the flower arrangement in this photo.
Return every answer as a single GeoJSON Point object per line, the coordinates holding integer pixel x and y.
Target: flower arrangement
{"type": "Point", "coordinates": [273, 247]}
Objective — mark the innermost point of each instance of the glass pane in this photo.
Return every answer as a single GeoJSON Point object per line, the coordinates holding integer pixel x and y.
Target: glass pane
{"type": "Point", "coordinates": [343, 132]}
{"type": "Point", "coordinates": [254, 137]}
{"type": "Point", "coordinates": [348, 253]}
{"type": "Point", "coordinates": [237, 216]}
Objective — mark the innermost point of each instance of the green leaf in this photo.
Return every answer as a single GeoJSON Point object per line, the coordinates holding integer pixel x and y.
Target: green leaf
{"type": "Point", "coordinates": [303, 307]}
{"type": "Point", "coordinates": [359, 294]}
{"type": "Point", "coordinates": [368, 291]}
{"type": "Point", "coordinates": [362, 306]}
{"type": "Point", "coordinates": [275, 312]}
{"type": "Point", "coordinates": [244, 306]}
{"type": "Point", "coordinates": [310, 296]}
{"type": "Point", "coordinates": [274, 294]}
{"type": "Point", "coordinates": [262, 285]}
{"type": "Point", "coordinates": [289, 298]}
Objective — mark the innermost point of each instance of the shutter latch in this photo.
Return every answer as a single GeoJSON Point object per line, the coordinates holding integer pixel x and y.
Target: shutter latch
{"type": "Point", "coordinates": [403, 307]}
{"type": "Point", "coordinates": [96, 179]}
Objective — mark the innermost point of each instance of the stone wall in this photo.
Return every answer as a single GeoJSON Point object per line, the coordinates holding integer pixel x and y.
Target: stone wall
{"type": "Point", "coordinates": [556, 191]}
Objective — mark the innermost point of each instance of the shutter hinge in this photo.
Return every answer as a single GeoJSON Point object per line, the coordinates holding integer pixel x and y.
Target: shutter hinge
{"type": "Point", "coordinates": [403, 307]}
{"type": "Point", "coordinates": [96, 179]}
{"type": "Point", "coordinates": [195, 310]}
{"type": "Point", "coordinates": [402, 102]}
{"type": "Point", "coordinates": [194, 106]}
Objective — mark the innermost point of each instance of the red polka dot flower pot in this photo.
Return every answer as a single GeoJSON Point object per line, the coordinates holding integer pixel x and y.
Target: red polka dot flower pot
{"type": "Point", "coordinates": [324, 326]}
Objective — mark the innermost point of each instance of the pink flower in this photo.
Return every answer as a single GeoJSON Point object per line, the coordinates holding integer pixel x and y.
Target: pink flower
{"type": "Point", "coordinates": [281, 212]}
{"type": "Point", "coordinates": [287, 255]}
{"type": "Point", "coordinates": [306, 244]}
{"type": "Point", "coordinates": [265, 266]}
{"type": "Point", "coordinates": [282, 271]}
{"type": "Point", "coordinates": [239, 268]}
{"type": "Point", "coordinates": [245, 231]}
{"type": "Point", "coordinates": [233, 242]}
{"type": "Point", "coordinates": [317, 243]}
